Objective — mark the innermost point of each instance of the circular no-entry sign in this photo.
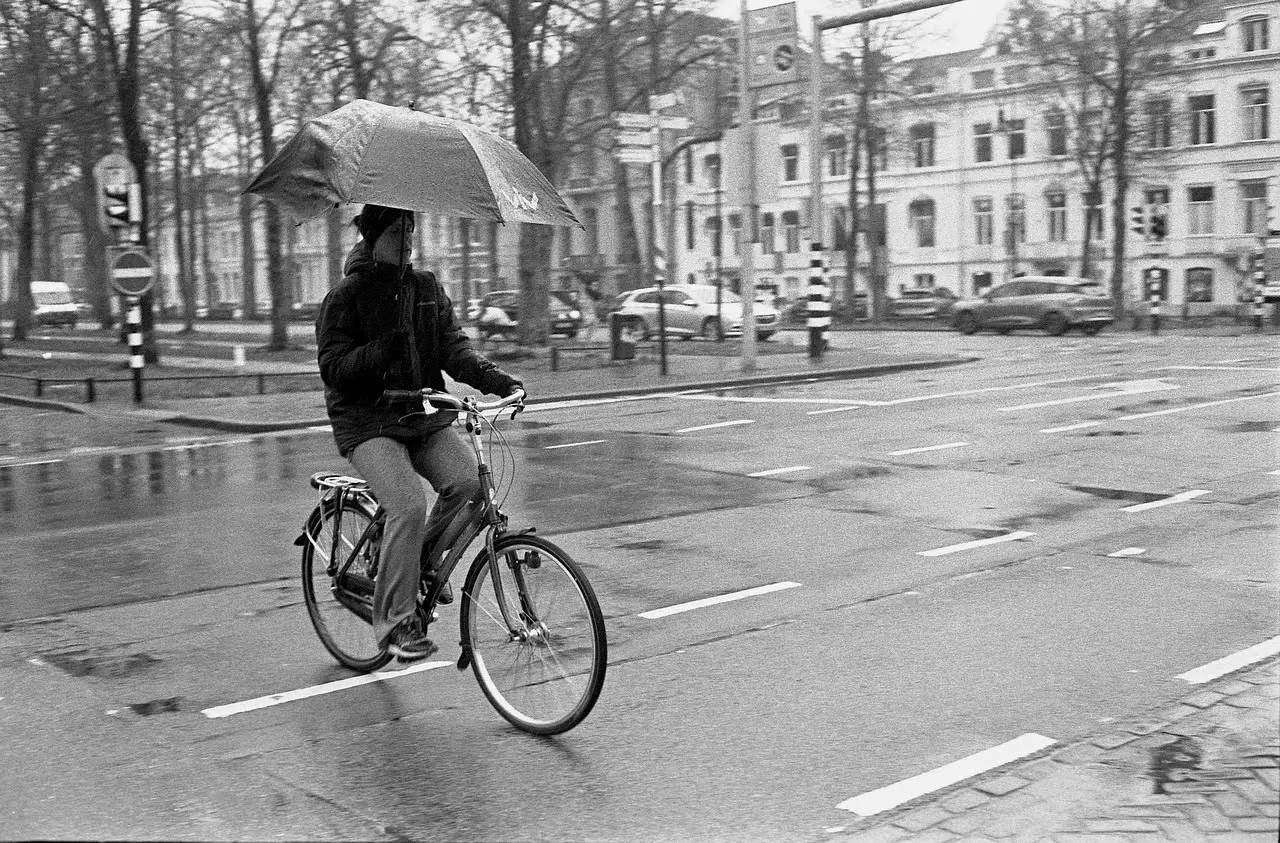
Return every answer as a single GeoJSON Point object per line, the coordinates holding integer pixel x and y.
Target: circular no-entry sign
{"type": "Point", "coordinates": [131, 273]}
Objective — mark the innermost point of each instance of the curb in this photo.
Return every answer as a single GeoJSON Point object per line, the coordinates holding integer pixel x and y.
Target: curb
{"type": "Point", "coordinates": [242, 426]}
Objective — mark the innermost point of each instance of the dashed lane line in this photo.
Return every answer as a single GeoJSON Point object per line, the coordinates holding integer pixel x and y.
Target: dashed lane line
{"type": "Point", "coordinates": [774, 471]}
{"type": "Point", "coordinates": [712, 601]}
{"type": "Point", "coordinates": [1235, 661]}
{"type": "Point", "coordinates": [882, 799]}
{"type": "Point", "coordinates": [1178, 498]}
{"type": "Point", "coordinates": [734, 423]}
{"type": "Point", "coordinates": [228, 710]}
{"type": "Point", "coordinates": [1128, 551]}
{"type": "Point", "coordinates": [1067, 427]}
{"type": "Point", "coordinates": [956, 548]}
{"type": "Point", "coordinates": [1197, 406]}
{"type": "Point", "coordinates": [573, 444]}
{"type": "Point", "coordinates": [928, 448]}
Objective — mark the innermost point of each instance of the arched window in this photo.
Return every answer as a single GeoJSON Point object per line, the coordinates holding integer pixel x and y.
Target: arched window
{"type": "Point", "coordinates": [837, 155]}
{"type": "Point", "coordinates": [1199, 285]}
{"type": "Point", "coordinates": [921, 215]}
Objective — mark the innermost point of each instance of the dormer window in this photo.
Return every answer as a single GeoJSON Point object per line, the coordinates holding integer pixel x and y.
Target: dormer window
{"type": "Point", "coordinates": [984, 79]}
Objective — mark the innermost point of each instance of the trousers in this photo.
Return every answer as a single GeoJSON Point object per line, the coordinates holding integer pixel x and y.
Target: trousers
{"type": "Point", "coordinates": [395, 471]}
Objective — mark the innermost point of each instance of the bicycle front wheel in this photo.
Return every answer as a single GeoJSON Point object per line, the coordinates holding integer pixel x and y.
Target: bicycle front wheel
{"type": "Point", "coordinates": [339, 592]}
{"type": "Point", "coordinates": [540, 654]}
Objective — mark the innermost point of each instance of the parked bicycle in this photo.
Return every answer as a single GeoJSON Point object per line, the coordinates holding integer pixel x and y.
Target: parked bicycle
{"type": "Point", "coordinates": [531, 626]}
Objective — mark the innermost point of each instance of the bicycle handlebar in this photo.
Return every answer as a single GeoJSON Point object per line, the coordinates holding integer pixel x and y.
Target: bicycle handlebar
{"type": "Point", "coordinates": [445, 401]}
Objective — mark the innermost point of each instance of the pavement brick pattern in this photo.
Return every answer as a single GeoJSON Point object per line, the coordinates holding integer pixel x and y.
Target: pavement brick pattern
{"type": "Point", "coordinates": [1206, 767]}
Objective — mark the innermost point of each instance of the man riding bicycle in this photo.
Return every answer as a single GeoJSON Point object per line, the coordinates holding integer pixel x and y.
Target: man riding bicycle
{"type": "Point", "coordinates": [387, 326]}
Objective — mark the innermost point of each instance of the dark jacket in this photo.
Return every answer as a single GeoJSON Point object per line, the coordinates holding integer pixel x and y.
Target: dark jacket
{"type": "Point", "coordinates": [356, 334]}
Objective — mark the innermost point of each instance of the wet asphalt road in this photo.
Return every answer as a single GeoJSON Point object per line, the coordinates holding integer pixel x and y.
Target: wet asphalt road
{"type": "Point", "coordinates": [146, 583]}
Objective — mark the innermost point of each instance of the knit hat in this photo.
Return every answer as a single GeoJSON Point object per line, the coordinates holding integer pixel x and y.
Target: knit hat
{"type": "Point", "coordinates": [375, 219]}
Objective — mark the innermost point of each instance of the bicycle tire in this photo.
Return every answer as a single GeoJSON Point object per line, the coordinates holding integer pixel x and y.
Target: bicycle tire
{"type": "Point", "coordinates": [545, 678]}
{"type": "Point", "coordinates": [346, 635]}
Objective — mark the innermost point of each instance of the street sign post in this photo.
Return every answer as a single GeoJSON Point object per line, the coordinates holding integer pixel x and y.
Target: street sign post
{"type": "Point", "coordinates": [132, 276]}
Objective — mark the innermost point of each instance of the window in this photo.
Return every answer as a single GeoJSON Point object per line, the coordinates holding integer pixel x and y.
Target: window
{"type": "Point", "coordinates": [735, 233]}
{"type": "Point", "coordinates": [1253, 197]}
{"type": "Point", "coordinates": [1017, 130]}
{"type": "Point", "coordinates": [837, 155]}
{"type": "Point", "coordinates": [983, 220]}
{"type": "Point", "coordinates": [922, 144]}
{"type": "Point", "coordinates": [1257, 112]}
{"type": "Point", "coordinates": [922, 281]}
{"type": "Point", "coordinates": [689, 234]}
{"type": "Point", "coordinates": [981, 282]}
{"type": "Point", "coordinates": [1159, 115]}
{"type": "Point", "coordinates": [982, 142]}
{"type": "Point", "coordinates": [1200, 210]}
{"type": "Point", "coordinates": [1057, 203]}
{"type": "Point", "coordinates": [711, 168]}
{"type": "Point", "coordinates": [878, 139]}
{"type": "Point", "coordinates": [1093, 214]}
{"type": "Point", "coordinates": [790, 162]}
{"type": "Point", "coordinates": [1202, 53]}
{"type": "Point", "coordinates": [984, 79]}
{"type": "Point", "coordinates": [766, 233]}
{"type": "Point", "coordinates": [840, 229]}
{"type": "Point", "coordinates": [591, 222]}
{"type": "Point", "coordinates": [791, 231]}
{"type": "Point", "coordinates": [921, 214]}
{"type": "Point", "coordinates": [1202, 122]}
{"type": "Point", "coordinates": [1016, 214]}
{"type": "Point", "coordinates": [1253, 34]}
{"type": "Point", "coordinates": [1056, 127]}
{"type": "Point", "coordinates": [1015, 74]}
{"type": "Point", "coordinates": [713, 235]}
{"type": "Point", "coordinates": [1199, 285]}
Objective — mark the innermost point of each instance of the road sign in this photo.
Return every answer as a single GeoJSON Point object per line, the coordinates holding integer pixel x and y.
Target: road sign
{"type": "Point", "coordinates": [634, 155]}
{"type": "Point", "coordinates": [131, 273]}
{"type": "Point", "coordinates": [772, 37]}
{"type": "Point", "coordinates": [633, 139]}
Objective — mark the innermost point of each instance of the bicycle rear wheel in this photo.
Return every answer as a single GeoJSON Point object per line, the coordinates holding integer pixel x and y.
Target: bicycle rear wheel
{"type": "Point", "coordinates": [542, 662]}
{"type": "Point", "coordinates": [339, 610]}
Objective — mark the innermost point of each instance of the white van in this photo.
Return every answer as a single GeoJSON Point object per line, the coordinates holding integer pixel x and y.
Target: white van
{"type": "Point", "coordinates": [54, 303]}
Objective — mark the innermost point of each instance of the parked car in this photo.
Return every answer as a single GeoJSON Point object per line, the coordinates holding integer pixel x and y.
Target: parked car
{"type": "Point", "coordinates": [54, 304]}
{"type": "Point", "coordinates": [499, 312]}
{"type": "Point", "coordinates": [1050, 303]}
{"type": "Point", "coordinates": [924, 303]}
{"type": "Point", "coordinates": [690, 311]}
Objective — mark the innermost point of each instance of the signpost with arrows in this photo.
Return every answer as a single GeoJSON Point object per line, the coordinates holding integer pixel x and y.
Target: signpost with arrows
{"type": "Point", "coordinates": [120, 204]}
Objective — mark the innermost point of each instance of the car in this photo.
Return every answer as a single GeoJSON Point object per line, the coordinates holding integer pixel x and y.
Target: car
{"type": "Point", "coordinates": [499, 312]}
{"type": "Point", "coordinates": [923, 303]}
{"type": "Point", "coordinates": [1050, 303]}
{"type": "Point", "coordinates": [690, 311]}
{"type": "Point", "coordinates": [54, 304]}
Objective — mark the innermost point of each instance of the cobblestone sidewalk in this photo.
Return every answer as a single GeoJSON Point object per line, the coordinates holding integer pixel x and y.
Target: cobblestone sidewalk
{"type": "Point", "coordinates": [1206, 767]}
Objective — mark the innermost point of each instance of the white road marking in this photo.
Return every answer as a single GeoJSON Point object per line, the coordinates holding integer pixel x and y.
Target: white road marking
{"type": "Point", "coordinates": [1228, 368]}
{"type": "Point", "coordinates": [317, 690]}
{"type": "Point", "coordinates": [1128, 551]}
{"type": "Point", "coordinates": [574, 444]}
{"type": "Point", "coordinates": [1069, 427]}
{"type": "Point", "coordinates": [1235, 661]}
{"type": "Point", "coordinates": [928, 448]}
{"type": "Point", "coordinates": [745, 399]}
{"type": "Point", "coordinates": [773, 471]}
{"type": "Point", "coordinates": [712, 601]}
{"type": "Point", "coordinates": [717, 424]}
{"type": "Point", "coordinates": [882, 799]}
{"type": "Point", "coordinates": [1196, 406]}
{"type": "Point", "coordinates": [1178, 498]}
{"type": "Point", "coordinates": [32, 462]}
{"type": "Point", "coordinates": [956, 548]}
{"type": "Point", "coordinates": [320, 427]}
{"type": "Point", "coordinates": [1277, 471]}
{"type": "Point", "coordinates": [1121, 389]}
{"type": "Point", "coordinates": [835, 409]}
{"type": "Point", "coordinates": [1031, 385]}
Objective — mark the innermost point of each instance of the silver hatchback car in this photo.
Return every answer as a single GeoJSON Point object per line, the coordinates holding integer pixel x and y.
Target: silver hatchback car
{"type": "Point", "coordinates": [690, 311]}
{"type": "Point", "coordinates": [1046, 302]}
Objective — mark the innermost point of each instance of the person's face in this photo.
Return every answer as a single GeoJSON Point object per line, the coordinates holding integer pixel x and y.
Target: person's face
{"type": "Point", "coordinates": [387, 248]}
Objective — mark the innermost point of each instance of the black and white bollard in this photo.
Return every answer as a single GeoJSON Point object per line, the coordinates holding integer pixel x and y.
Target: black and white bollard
{"type": "Point", "coordinates": [1155, 316]}
{"type": "Point", "coordinates": [1257, 311]}
{"type": "Point", "coordinates": [819, 307]}
{"type": "Point", "coordinates": [134, 326]}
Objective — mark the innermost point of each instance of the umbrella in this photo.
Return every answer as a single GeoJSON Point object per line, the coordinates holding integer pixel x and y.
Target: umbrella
{"type": "Point", "coordinates": [401, 158]}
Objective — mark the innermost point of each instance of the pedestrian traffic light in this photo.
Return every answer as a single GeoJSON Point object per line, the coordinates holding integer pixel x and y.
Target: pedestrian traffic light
{"type": "Point", "coordinates": [1139, 226]}
{"type": "Point", "coordinates": [1159, 225]}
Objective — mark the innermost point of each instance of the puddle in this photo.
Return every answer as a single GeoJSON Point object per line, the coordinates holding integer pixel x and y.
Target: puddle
{"type": "Point", "coordinates": [1112, 433]}
{"type": "Point", "coordinates": [1120, 494]}
{"type": "Point", "coordinates": [1252, 427]}
{"type": "Point", "coordinates": [87, 663]}
{"type": "Point", "coordinates": [1174, 761]}
{"type": "Point", "coordinates": [162, 706]}
{"type": "Point", "coordinates": [643, 544]}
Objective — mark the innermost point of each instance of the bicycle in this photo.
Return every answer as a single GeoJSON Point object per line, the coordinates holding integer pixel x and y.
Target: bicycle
{"type": "Point", "coordinates": [531, 627]}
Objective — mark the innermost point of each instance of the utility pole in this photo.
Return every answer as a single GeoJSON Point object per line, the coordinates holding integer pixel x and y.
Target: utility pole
{"type": "Point", "coordinates": [819, 307]}
{"type": "Point", "coordinates": [746, 109]}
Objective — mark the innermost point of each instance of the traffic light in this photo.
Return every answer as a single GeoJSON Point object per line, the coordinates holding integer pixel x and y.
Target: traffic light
{"type": "Point", "coordinates": [1159, 225]}
{"type": "Point", "coordinates": [1139, 226]}
{"type": "Point", "coordinates": [116, 205]}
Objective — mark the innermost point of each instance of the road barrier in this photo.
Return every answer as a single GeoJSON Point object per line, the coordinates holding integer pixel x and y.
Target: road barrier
{"type": "Point", "coordinates": [91, 385]}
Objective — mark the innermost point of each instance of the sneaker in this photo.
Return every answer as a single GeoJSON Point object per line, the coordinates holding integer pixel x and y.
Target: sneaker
{"type": "Point", "coordinates": [408, 642]}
